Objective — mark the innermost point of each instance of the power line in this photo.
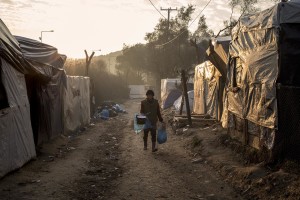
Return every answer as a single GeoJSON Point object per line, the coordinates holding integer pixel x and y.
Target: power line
{"type": "Point", "coordinates": [161, 45]}
{"type": "Point", "coordinates": [157, 9]}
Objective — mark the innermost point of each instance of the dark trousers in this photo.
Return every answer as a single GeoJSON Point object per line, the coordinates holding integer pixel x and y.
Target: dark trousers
{"type": "Point", "coordinates": [153, 136]}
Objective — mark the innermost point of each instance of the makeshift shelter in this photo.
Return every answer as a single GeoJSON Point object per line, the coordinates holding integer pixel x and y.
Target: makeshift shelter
{"type": "Point", "coordinates": [178, 102]}
{"type": "Point", "coordinates": [206, 89]}
{"type": "Point", "coordinates": [16, 136]}
{"type": "Point", "coordinates": [46, 98]}
{"type": "Point", "coordinates": [28, 69]}
{"type": "Point", "coordinates": [76, 103]}
{"type": "Point", "coordinates": [263, 89]}
{"type": "Point", "coordinates": [209, 81]}
{"type": "Point", "coordinates": [170, 92]}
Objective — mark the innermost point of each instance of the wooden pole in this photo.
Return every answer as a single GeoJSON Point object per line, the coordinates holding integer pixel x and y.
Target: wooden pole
{"type": "Point", "coordinates": [182, 103]}
{"type": "Point", "coordinates": [88, 60]}
{"type": "Point", "coordinates": [187, 102]}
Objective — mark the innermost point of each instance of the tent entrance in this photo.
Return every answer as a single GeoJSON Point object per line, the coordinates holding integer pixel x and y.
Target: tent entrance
{"type": "Point", "coordinates": [3, 95]}
{"type": "Point", "coordinates": [288, 90]}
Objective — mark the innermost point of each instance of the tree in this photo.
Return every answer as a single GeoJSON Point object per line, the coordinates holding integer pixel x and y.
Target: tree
{"type": "Point", "coordinates": [202, 30]}
{"type": "Point", "coordinates": [169, 49]}
{"type": "Point", "coordinates": [166, 50]}
{"type": "Point", "coordinates": [131, 63]}
{"type": "Point", "coordinates": [244, 7]}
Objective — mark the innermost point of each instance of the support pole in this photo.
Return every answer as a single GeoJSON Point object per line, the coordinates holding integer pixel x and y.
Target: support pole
{"type": "Point", "coordinates": [185, 92]}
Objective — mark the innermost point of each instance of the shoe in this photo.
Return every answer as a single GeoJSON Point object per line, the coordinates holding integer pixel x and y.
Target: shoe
{"type": "Point", "coordinates": [145, 148]}
{"type": "Point", "coordinates": [154, 150]}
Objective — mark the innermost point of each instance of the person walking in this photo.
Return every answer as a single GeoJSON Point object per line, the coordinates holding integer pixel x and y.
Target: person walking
{"type": "Point", "coordinates": [151, 109]}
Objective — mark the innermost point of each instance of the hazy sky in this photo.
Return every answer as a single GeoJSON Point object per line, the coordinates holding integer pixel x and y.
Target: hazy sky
{"type": "Point", "coordinates": [96, 24]}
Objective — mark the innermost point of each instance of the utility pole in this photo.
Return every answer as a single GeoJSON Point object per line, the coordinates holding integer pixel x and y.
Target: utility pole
{"type": "Point", "coordinates": [169, 12]}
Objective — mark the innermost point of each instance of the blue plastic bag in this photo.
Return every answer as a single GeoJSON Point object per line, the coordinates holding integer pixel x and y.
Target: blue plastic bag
{"type": "Point", "coordinates": [105, 114]}
{"type": "Point", "coordinates": [162, 136]}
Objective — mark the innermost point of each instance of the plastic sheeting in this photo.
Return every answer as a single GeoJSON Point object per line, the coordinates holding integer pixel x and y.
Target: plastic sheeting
{"type": "Point", "coordinates": [257, 42]}
{"type": "Point", "coordinates": [169, 92]}
{"type": "Point", "coordinates": [252, 76]}
{"type": "Point", "coordinates": [177, 103]}
{"type": "Point", "coordinates": [41, 53]}
{"type": "Point", "coordinates": [77, 103]}
{"type": "Point", "coordinates": [218, 54]}
{"type": "Point", "coordinates": [46, 98]}
{"type": "Point", "coordinates": [16, 137]}
{"type": "Point", "coordinates": [11, 52]}
{"type": "Point", "coordinates": [206, 89]}
{"type": "Point", "coordinates": [22, 56]}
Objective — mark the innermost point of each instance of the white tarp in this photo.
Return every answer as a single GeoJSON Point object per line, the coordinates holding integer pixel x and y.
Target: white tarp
{"type": "Point", "coordinates": [16, 137]}
{"type": "Point", "coordinates": [177, 103]}
{"type": "Point", "coordinates": [137, 91]}
{"type": "Point", "coordinates": [167, 86]}
{"type": "Point", "coordinates": [206, 89]}
{"type": "Point", "coordinates": [76, 103]}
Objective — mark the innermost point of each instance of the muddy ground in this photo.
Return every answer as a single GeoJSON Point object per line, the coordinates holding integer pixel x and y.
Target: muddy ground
{"type": "Point", "coordinates": [107, 161]}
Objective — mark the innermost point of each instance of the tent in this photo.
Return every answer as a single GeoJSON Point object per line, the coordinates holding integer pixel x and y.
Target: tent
{"type": "Point", "coordinates": [206, 89]}
{"type": "Point", "coordinates": [263, 89]}
{"type": "Point", "coordinates": [170, 92]}
{"type": "Point", "coordinates": [16, 136]}
{"type": "Point", "coordinates": [177, 103]}
{"type": "Point", "coordinates": [76, 103]}
{"type": "Point", "coordinates": [209, 81]}
{"type": "Point", "coordinates": [28, 68]}
{"type": "Point", "coordinates": [46, 98]}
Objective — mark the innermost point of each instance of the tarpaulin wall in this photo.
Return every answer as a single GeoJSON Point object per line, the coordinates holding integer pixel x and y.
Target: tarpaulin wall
{"type": "Point", "coordinates": [46, 106]}
{"type": "Point", "coordinates": [46, 97]}
{"type": "Point", "coordinates": [264, 56]}
{"type": "Point", "coordinates": [170, 92]}
{"type": "Point", "coordinates": [76, 103]}
{"type": "Point", "coordinates": [178, 102]}
{"type": "Point", "coordinates": [16, 137]}
{"type": "Point", "coordinates": [21, 57]}
{"type": "Point", "coordinates": [206, 90]}
{"type": "Point", "coordinates": [251, 90]}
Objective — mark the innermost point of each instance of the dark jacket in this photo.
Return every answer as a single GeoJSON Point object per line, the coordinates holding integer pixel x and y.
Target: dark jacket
{"type": "Point", "coordinates": [152, 110]}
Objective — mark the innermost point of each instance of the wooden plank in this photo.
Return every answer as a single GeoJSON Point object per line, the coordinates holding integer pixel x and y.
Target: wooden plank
{"type": "Point", "coordinates": [194, 119]}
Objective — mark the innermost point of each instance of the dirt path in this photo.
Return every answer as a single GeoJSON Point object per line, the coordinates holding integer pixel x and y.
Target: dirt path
{"type": "Point", "coordinates": [107, 161]}
{"type": "Point", "coordinates": [167, 174]}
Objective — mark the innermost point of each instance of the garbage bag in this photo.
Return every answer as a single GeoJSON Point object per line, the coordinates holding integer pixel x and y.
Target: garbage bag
{"type": "Point", "coordinates": [162, 135]}
{"type": "Point", "coordinates": [105, 114]}
{"type": "Point", "coordinates": [137, 127]}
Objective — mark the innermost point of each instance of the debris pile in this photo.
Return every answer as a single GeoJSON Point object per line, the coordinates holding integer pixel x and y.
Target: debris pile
{"type": "Point", "coordinates": [107, 110]}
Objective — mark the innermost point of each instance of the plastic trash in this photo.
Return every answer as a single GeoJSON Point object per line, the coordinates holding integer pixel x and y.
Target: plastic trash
{"type": "Point", "coordinates": [162, 134]}
{"type": "Point", "coordinates": [137, 128]}
{"type": "Point", "coordinates": [105, 114]}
